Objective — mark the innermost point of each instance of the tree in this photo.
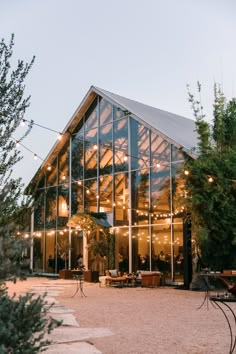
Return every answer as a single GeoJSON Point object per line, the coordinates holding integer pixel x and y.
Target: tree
{"type": "Point", "coordinates": [211, 182]}
{"type": "Point", "coordinates": [12, 109]}
{"type": "Point", "coordinates": [23, 322]}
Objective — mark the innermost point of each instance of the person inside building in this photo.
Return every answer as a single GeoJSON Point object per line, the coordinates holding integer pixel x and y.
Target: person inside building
{"type": "Point", "coordinates": [79, 262]}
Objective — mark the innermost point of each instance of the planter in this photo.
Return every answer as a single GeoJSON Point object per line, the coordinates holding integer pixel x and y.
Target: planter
{"type": "Point", "coordinates": [65, 274]}
{"type": "Point", "coordinates": [150, 279]}
{"type": "Point", "coordinates": [91, 276]}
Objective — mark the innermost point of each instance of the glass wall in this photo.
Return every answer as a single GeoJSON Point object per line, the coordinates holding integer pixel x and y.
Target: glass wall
{"type": "Point", "coordinates": [120, 167]}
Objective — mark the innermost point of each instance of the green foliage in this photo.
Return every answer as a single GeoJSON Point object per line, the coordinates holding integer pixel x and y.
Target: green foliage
{"type": "Point", "coordinates": [24, 323]}
{"type": "Point", "coordinates": [12, 108]}
{"type": "Point", "coordinates": [212, 202]}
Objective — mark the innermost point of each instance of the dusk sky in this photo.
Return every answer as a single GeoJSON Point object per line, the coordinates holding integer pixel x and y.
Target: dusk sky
{"type": "Point", "coordinates": [144, 50]}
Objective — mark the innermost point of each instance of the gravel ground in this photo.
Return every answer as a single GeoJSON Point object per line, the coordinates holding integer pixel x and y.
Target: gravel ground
{"type": "Point", "coordinates": [142, 320]}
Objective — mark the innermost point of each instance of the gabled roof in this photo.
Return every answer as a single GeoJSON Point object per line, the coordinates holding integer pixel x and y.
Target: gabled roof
{"type": "Point", "coordinates": [176, 129]}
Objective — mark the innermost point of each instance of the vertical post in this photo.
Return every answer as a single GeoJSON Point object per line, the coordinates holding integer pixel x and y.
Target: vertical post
{"type": "Point", "coordinates": [171, 218]}
{"type": "Point", "coordinates": [85, 250]}
{"type": "Point", "coordinates": [70, 199]}
{"type": "Point", "coordinates": [187, 251]}
{"type": "Point", "coordinates": [32, 240]}
{"type": "Point", "coordinates": [130, 194]}
{"type": "Point", "coordinates": [44, 227]}
{"type": "Point", "coordinates": [150, 202]}
{"type": "Point", "coordinates": [57, 214]}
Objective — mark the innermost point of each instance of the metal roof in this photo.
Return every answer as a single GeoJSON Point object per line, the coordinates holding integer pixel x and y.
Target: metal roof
{"type": "Point", "coordinates": [179, 129]}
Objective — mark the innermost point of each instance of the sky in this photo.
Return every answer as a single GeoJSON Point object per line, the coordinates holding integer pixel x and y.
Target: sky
{"type": "Point", "coordinates": [143, 50]}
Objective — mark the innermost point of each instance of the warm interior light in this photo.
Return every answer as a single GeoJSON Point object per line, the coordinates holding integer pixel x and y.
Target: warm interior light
{"type": "Point", "coordinates": [158, 165]}
{"type": "Point", "coordinates": [95, 147]}
{"type": "Point", "coordinates": [49, 168]}
{"type": "Point", "coordinates": [63, 177]}
{"type": "Point", "coordinates": [125, 158]}
{"type": "Point", "coordinates": [79, 183]}
{"type": "Point", "coordinates": [60, 136]}
{"type": "Point", "coordinates": [87, 191]}
{"type": "Point", "coordinates": [186, 172]}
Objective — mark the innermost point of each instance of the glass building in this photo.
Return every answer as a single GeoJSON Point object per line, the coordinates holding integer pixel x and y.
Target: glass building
{"type": "Point", "coordinates": [122, 158]}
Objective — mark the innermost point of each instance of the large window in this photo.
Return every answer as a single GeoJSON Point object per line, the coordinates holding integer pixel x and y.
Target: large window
{"type": "Point", "coordinates": [90, 195]}
{"type": "Point", "coordinates": [91, 153]}
{"type": "Point", "coordinates": [77, 156]}
{"type": "Point", "coordinates": [139, 145]}
{"type": "Point", "coordinates": [105, 198]}
{"type": "Point", "coordinates": [140, 196]}
{"type": "Point", "coordinates": [105, 148]}
{"type": "Point", "coordinates": [121, 145]}
{"type": "Point", "coordinates": [91, 116]}
{"type": "Point", "coordinates": [105, 111]}
{"type": "Point", "coordinates": [121, 199]}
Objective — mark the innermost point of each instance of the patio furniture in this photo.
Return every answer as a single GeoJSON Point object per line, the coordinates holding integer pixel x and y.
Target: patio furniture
{"type": "Point", "coordinates": [150, 279]}
{"type": "Point", "coordinates": [78, 275]}
{"type": "Point", "coordinates": [114, 277]}
{"type": "Point", "coordinates": [224, 302]}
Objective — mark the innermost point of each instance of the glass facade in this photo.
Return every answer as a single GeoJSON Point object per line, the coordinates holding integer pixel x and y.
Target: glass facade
{"type": "Point", "coordinates": [114, 164]}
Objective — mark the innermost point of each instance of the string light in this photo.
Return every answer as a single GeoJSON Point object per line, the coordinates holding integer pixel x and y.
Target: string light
{"type": "Point", "coordinates": [210, 179]}
{"type": "Point", "coordinates": [23, 122]}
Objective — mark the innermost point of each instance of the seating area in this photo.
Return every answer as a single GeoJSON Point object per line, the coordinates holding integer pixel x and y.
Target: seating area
{"type": "Point", "coordinates": [142, 278]}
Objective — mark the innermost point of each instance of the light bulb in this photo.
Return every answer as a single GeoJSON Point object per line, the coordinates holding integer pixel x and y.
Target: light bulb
{"type": "Point", "coordinates": [125, 158]}
{"type": "Point", "coordinates": [60, 136]}
{"type": "Point", "coordinates": [22, 123]}
{"type": "Point", "coordinates": [35, 157]}
{"type": "Point", "coordinates": [210, 179]}
{"type": "Point", "coordinates": [186, 172]}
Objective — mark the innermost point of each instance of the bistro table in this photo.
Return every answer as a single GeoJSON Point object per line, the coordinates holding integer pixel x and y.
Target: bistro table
{"type": "Point", "coordinates": [78, 275]}
{"type": "Point", "coordinates": [208, 287]}
{"type": "Point", "coordinates": [223, 302]}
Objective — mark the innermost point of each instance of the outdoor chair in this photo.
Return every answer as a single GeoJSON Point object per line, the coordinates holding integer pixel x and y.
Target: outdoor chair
{"type": "Point", "coordinates": [113, 277]}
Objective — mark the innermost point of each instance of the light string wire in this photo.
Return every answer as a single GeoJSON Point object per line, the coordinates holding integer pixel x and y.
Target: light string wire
{"type": "Point", "coordinates": [60, 135]}
{"type": "Point", "coordinates": [79, 182]}
{"type": "Point", "coordinates": [95, 147]}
